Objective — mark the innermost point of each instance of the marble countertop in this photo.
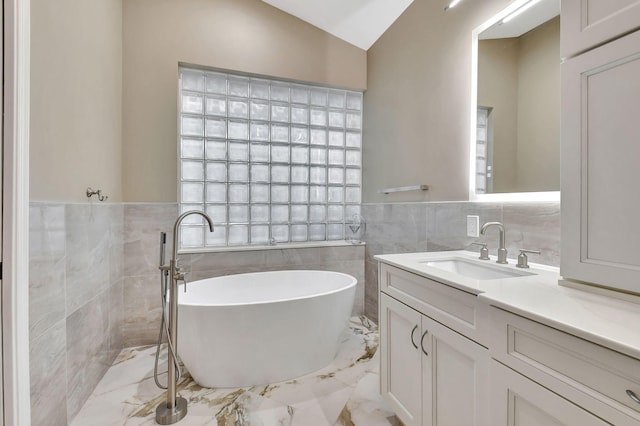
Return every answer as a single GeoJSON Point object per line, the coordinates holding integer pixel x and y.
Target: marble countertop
{"type": "Point", "coordinates": [607, 321]}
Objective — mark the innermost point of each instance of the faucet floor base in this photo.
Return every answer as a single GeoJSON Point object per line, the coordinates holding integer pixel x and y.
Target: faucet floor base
{"type": "Point", "coordinates": [169, 416]}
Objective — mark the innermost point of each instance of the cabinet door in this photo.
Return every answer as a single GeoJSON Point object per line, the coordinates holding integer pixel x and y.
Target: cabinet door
{"type": "Point", "coordinates": [400, 357]}
{"type": "Point", "coordinates": [600, 152]}
{"type": "Point", "coordinates": [455, 378]}
{"type": "Point", "coordinates": [518, 401]}
{"type": "Point", "coordinates": [588, 23]}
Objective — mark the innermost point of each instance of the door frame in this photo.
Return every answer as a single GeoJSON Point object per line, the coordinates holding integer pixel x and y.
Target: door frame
{"type": "Point", "coordinates": [15, 212]}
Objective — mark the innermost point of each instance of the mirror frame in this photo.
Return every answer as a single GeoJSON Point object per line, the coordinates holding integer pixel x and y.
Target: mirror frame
{"type": "Point", "coordinates": [500, 196]}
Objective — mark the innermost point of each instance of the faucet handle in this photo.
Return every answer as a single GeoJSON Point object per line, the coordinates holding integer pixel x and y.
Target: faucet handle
{"type": "Point", "coordinates": [484, 251]}
{"type": "Point", "coordinates": [523, 261]}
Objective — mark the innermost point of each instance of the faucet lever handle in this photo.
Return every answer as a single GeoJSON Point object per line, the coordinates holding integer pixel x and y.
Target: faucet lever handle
{"type": "Point", "coordinates": [523, 261]}
{"type": "Point", "coordinates": [484, 251]}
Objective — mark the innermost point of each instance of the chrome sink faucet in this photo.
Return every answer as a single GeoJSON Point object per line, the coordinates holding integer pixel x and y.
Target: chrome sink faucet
{"type": "Point", "coordinates": [502, 251]}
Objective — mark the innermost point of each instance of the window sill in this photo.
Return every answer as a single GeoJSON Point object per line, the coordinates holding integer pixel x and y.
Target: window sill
{"type": "Point", "coordinates": [283, 246]}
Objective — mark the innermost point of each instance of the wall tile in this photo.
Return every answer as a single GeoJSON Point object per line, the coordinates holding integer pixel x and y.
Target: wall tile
{"type": "Point", "coordinates": [142, 310]}
{"type": "Point", "coordinates": [534, 226]}
{"type": "Point", "coordinates": [116, 318]}
{"type": "Point", "coordinates": [46, 294]}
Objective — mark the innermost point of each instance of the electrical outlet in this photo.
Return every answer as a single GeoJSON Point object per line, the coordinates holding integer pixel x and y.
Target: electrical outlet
{"type": "Point", "coordinates": [473, 226]}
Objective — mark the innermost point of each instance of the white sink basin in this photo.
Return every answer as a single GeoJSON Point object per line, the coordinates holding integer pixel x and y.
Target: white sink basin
{"type": "Point", "coordinates": [475, 270]}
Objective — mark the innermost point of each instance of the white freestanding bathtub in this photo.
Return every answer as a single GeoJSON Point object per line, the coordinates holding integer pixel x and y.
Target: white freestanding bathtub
{"type": "Point", "coordinates": [260, 328]}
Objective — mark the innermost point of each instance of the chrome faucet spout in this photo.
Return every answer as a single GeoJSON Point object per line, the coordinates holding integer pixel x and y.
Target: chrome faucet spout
{"type": "Point", "coordinates": [176, 228]}
{"type": "Point", "coordinates": [502, 251]}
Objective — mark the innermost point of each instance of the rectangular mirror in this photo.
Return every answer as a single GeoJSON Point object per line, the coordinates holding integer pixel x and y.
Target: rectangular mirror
{"type": "Point", "coordinates": [515, 117]}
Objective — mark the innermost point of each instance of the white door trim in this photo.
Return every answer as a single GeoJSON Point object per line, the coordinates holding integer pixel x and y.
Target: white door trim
{"type": "Point", "coordinates": [15, 280]}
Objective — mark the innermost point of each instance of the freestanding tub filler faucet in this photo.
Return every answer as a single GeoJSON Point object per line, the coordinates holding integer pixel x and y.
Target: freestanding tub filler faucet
{"type": "Point", "coordinates": [175, 408]}
{"type": "Point", "coordinates": [502, 251]}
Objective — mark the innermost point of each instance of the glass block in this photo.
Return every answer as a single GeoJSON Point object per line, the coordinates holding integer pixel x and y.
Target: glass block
{"type": "Point", "coordinates": [259, 110]}
{"type": "Point", "coordinates": [259, 173]}
{"type": "Point", "coordinates": [336, 138]}
{"type": "Point", "coordinates": [216, 83]}
{"type": "Point", "coordinates": [317, 232]}
{"type": "Point", "coordinates": [239, 87]}
{"type": "Point", "coordinates": [217, 172]}
{"type": "Point", "coordinates": [279, 133]}
{"type": "Point", "coordinates": [217, 212]}
{"type": "Point", "coordinates": [354, 158]}
{"type": "Point", "coordinates": [480, 182]}
{"type": "Point", "coordinates": [280, 112]}
{"type": "Point", "coordinates": [216, 106]}
{"type": "Point", "coordinates": [279, 193]}
{"type": "Point", "coordinates": [216, 238]}
{"type": "Point", "coordinates": [260, 89]}
{"type": "Point", "coordinates": [481, 150]}
{"type": "Point", "coordinates": [192, 236]}
{"type": "Point", "coordinates": [192, 80]}
{"type": "Point", "coordinates": [259, 131]}
{"type": "Point", "coordinates": [318, 117]}
{"type": "Point", "coordinates": [299, 114]}
{"type": "Point", "coordinates": [352, 195]}
{"type": "Point", "coordinates": [280, 174]}
{"type": "Point", "coordinates": [318, 156]}
{"type": "Point", "coordinates": [192, 103]}
{"type": "Point", "coordinates": [299, 95]}
{"type": "Point", "coordinates": [216, 193]}
{"type": "Point", "coordinates": [336, 99]}
{"type": "Point", "coordinates": [354, 139]}
{"type": "Point", "coordinates": [238, 108]}
{"type": "Point", "coordinates": [349, 211]}
{"type": "Point", "coordinates": [279, 93]}
{"type": "Point", "coordinates": [353, 176]}
{"type": "Point", "coordinates": [336, 175]}
{"type": "Point", "coordinates": [335, 231]}
{"type": "Point", "coordinates": [191, 148]}
{"type": "Point", "coordinates": [260, 234]}
{"type": "Point", "coordinates": [299, 174]}
{"type": "Point", "coordinates": [317, 214]}
{"type": "Point", "coordinates": [317, 194]}
{"type": "Point", "coordinates": [238, 151]}
{"type": "Point", "coordinates": [335, 213]}
{"type": "Point", "coordinates": [238, 130]}
{"type": "Point", "coordinates": [238, 235]}
{"type": "Point", "coordinates": [318, 175]}
{"type": "Point", "coordinates": [238, 172]}
{"type": "Point", "coordinates": [336, 119]}
{"type": "Point", "coordinates": [481, 165]}
{"type": "Point", "coordinates": [354, 121]}
{"type": "Point", "coordinates": [299, 194]}
{"type": "Point", "coordinates": [299, 134]}
{"type": "Point", "coordinates": [354, 101]}
{"type": "Point", "coordinates": [259, 213]}
{"type": "Point", "coordinates": [300, 155]}
{"type": "Point", "coordinates": [299, 213]}
{"type": "Point", "coordinates": [216, 150]}
{"type": "Point", "coordinates": [238, 213]}
{"type": "Point", "coordinates": [336, 194]}
{"type": "Point", "coordinates": [259, 193]}
{"type": "Point", "coordinates": [280, 233]}
{"type": "Point", "coordinates": [193, 219]}
{"type": "Point", "coordinates": [481, 134]}
{"type": "Point", "coordinates": [259, 153]}
{"type": "Point", "coordinates": [192, 170]}
{"type": "Point", "coordinates": [216, 128]}
{"type": "Point", "coordinates": [299, 233]}
{"type": "Point", "coordinates": [482, 117]}
{"type": "Point", "coordinates": [238, 193]}
{"type": "Point", "coordinates": [279, 154]}
{"type": "Point", "coordinates": [279, 213]}
{"type": "Point", "coordinates": [336, 157]}
{"type": "Point", "coordinates": [191, 126]}
{"type": "Point", "coordinates": [318, 137]}
{"type": "Point", "coordinates": [191, 192]}
{"type": "Point", "coordinates": [318, 97]}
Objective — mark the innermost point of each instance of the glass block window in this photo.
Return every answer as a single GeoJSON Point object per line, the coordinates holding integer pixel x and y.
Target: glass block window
{"type": "Point", "coordinates": [267, 160]}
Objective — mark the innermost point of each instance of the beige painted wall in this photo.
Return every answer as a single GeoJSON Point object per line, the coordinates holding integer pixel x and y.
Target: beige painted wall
{"type": "Point", "coordinates": [416, 108]}
{"type": "Point", "coordinates": [76, 102]}
{"type": "Point", "coordinates": [244, 35]}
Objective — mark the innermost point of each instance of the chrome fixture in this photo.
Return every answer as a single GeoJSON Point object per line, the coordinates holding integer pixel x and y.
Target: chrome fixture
{"type": "Point", "coordinates": [98, 193]}
{"type": "Point", "coordinates": [405, 189]}
{"type": "Point", "coordinates": [502, 251]}
{"type": "Point", "coordinates": [357, 226]}
{"type": "Point", "coordinates": [484, 251]}
{"type": "Point", "coordinates": [175, 408]}
{"type": "Point", "coordinates": [272, 241]}
{"type": "Point", "coordinates": [523, 261]}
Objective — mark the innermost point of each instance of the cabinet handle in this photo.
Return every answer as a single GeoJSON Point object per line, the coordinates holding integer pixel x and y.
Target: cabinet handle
{"type": "Point", "coordinates": [422, 342]}
{"type": "Point", "coordinates": [412, 333]}
{"type": "Point", "coordinates": [633, 396]}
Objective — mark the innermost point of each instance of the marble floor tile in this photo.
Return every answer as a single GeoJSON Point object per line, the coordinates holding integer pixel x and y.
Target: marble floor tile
{"type": "Point", "coordinates": [343, 393]}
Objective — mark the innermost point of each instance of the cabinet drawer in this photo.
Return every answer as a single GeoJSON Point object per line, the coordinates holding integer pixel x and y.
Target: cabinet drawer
{"type": "Point", "coordinates": [533, 348]}
{"type": "Point", "coordinates": [452, 307]}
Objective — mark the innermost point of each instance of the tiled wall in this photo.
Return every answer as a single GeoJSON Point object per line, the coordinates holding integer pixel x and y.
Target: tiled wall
{"type": "Point", "coordinates": [436, 226]}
